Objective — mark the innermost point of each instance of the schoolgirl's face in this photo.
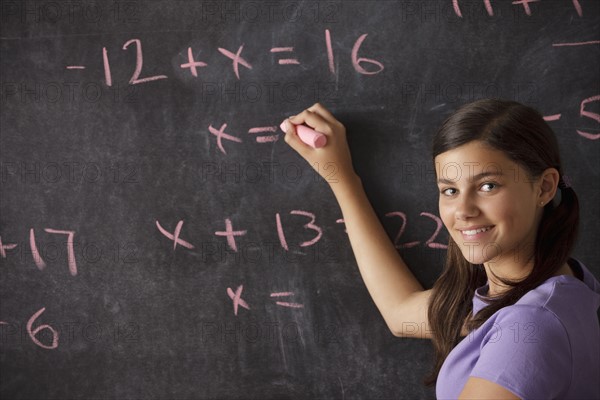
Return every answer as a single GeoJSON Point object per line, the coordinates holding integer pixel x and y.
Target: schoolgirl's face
{"type": "Point", "coordinates": [488, 204]}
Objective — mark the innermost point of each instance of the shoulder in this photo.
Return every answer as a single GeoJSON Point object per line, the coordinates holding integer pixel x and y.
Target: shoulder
{"type": "Point", "coordinates": [527, 351]}
{"type": "Point", "coordinates": [527, 312]}
{"type": "Point", "coordinates": [526, 324]}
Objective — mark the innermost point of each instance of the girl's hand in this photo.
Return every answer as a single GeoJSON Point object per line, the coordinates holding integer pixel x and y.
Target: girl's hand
{"type": "Point", "coordinates": [332, 161]}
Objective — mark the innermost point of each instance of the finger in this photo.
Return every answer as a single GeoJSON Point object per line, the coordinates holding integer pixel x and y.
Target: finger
{"type": "Point", "coordinates": [318, 108]}
{"type": "Point", "coordinates": [313, 120]}
{"type": "Point", "coordinates": [292, 139]}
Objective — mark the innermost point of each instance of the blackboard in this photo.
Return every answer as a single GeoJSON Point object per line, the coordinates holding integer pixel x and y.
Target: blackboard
{"type": "Point", "coordinates": [161, 241]}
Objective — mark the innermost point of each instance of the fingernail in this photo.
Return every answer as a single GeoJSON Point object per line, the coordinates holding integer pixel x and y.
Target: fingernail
{"type": "Point", "coordinates": [285, 125]}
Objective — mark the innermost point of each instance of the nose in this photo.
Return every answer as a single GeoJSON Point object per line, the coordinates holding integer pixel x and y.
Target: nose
{"type": "Point", "coordinates": [465, 208]}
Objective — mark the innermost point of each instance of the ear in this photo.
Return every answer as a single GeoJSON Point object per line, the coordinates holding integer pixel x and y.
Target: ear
{"type": "Point", "coordinates": [548, 185]}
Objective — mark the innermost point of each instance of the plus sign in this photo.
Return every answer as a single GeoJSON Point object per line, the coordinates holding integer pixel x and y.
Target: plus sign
{"type": "Point", "coordinates": [192, 64]}
{"type": "Point", "coordinates": [4, 247]}
{"type": "Point", "coordinates": [230, 233]}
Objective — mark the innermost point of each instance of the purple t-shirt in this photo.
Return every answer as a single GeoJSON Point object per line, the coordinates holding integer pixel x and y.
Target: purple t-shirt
{"type": "Point", "coordinates": [545, 346]}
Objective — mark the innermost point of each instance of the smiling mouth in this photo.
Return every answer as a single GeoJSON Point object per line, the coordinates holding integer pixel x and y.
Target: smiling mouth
{"type": "Point", "coordinates": [476, 233]}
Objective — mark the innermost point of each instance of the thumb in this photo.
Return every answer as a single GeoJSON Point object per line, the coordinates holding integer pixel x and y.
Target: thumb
{"type": "Point", "coordinates": [292, 139]}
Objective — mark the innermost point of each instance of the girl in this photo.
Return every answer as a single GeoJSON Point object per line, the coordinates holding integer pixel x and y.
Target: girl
{"type": "Point", "coordinates": [512, 315]}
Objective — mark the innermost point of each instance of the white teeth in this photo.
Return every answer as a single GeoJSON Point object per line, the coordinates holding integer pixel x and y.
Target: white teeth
{"type": "Point", "coordinates": [475, 231]}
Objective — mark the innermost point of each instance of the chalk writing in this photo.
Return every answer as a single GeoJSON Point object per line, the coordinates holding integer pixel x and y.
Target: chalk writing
{"type": "Point", "coordinates": [230, 234]}
{"type": "Point", "coordinates": [40, 263]}
{"type": "Point", "coordinates": [175, 236]}
{"type": "Point", "coordinates": [236, 60]}
{"type": "Point", "coordinates": [285, 303]}
{"type": "Point", "coordinates": [237, 299]}
{"type": "Point", "coordinates": [523, 3]}
{"type": "Point", "coordinates": [266, 138]}
{"type": "Point", "coordinates": [582, 113]}
{"type": "Point", "coordinates": [221, 135]}
{"type": "Point", "coordinates": [193, 64]}
{"type": "Point", "coordinates": [589, 114]}
{"type": "Point", "coordinates": [139, 61]}
{"type": "Point", "coordinates": [32, 332]}
{"type": "Point", "coordinates": [429, 242]}
{"type": "Point", "coordinates": [4, 247]}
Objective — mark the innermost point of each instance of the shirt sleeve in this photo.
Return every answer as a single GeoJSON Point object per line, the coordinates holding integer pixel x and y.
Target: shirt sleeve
{"type": "Point", "coordinates": [527, 351]}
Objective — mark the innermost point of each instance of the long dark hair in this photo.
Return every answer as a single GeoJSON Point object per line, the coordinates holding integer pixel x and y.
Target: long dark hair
{"type": "Point", "coordinates": [521, 133]}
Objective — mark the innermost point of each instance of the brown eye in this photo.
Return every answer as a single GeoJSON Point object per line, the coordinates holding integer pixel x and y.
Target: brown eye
{"type": "Point", "coordinates": [490, 184]}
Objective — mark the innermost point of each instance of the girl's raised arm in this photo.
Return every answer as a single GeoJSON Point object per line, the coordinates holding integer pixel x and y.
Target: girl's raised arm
{"type": "Point", "coordinates": [398, 295]}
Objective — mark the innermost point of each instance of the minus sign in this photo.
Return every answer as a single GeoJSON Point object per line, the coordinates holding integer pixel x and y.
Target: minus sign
{"type": "Point", "coordinates": [75, 67]}
{"type": "Point", "coordinates": [554, 117]}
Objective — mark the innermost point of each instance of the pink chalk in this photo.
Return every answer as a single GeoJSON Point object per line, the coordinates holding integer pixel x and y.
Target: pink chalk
{"type": "Point", "coordinates": [309, 136]}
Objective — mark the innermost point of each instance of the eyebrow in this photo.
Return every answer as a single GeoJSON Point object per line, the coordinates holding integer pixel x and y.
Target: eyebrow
{"type": "Point", "coordinates": [475, 178]}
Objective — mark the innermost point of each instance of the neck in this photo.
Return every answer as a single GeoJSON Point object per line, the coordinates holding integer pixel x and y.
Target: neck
{"type": "Point", "coordinates": [512, 271]}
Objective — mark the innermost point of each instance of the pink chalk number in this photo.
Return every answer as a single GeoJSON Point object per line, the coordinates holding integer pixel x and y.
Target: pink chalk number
{"type": "Point", "coordinates": [138, 64]}
{"type": "Point", "coordinates": [34, 332]}
{"type": "Point", "coordinates": [589, 114]}
{"type": "Point", "coordinates": [429, 243]}
{"type": "Point", "coordinates": [39, 262]}
{"type": "Point", "coordinates": [357, 60]}
{"type": "Point", "coordinates": [311, 225]}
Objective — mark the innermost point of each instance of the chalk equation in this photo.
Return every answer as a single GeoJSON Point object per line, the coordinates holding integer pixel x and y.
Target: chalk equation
{"type": "Point", "coordinates": [280, 298]}
{"type": "Point", "coordinates": [582, 113]}
{"type": "Point", "coordinates": [268, 133]}
{"type": "Point", "coordinates": [237, 301]}
{"type": "Point", "coordinates": [238, 61]}
{"type": "Point", "coordinates": [230, 234]}
{"type": "Point", "coordinates": [40, 333]}
{"type": "Point", "coordinates": [317, 232]}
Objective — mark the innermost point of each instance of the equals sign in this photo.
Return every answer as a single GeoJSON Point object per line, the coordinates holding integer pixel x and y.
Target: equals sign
{"type": "Point", "coordinates": [265, 138]}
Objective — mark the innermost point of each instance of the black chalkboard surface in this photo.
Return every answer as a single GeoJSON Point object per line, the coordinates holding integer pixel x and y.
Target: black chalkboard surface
{"type": "Point", "coordinates": [161, 241]}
